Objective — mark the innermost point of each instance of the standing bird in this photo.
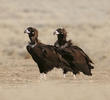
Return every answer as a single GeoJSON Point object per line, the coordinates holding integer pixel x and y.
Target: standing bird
{"type": "Point", "coordinates": [46, 56]}
{"type": "Point", "coordinates": [79, 61]}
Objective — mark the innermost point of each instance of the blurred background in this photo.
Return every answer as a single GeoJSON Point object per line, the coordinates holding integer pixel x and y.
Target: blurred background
{"type": "Point", "coordinates": [86, 21]}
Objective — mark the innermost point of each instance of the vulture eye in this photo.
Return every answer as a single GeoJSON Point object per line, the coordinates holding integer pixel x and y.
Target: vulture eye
{"type": "Point", "coordinates": [32, 33]}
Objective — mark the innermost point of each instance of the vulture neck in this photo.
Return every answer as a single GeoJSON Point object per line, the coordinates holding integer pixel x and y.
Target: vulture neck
{"type": "Point", "coordinates": [61, 40]}
{"type": "Point", "coordinates": [34, 42]}
{"type": "Point", "coordinates": [37, 41]}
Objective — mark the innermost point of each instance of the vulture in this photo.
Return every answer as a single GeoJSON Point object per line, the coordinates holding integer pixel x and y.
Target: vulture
{"type": "Point", "coordinates": [46, 56]}
{"type": "Point", "coordinates": [74, 55]}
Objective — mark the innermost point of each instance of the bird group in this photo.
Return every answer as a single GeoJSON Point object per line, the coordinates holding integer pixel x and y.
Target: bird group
{"type": "Point", "coordinates": [63, 54]}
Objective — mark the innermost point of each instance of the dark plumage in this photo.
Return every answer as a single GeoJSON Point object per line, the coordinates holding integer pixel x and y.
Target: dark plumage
{"type": "Point", "coordinates": [74, 55]}
{"type": "Point", "coordinates": [46, 56]}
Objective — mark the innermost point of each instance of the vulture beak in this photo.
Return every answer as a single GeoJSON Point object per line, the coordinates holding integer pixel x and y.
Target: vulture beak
{"type": "Point", "coordinates": [56, 33]}
{"type": "Point", "coordinates": [26, 31]}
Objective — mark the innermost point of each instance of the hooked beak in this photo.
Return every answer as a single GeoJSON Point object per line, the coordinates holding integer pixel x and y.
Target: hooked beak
{"type": "Point", "coordinates": [26, 31]}
{"type": "Point", "coordinates": [56, 33]}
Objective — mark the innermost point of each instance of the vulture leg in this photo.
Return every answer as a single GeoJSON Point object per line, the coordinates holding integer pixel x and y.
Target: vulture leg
{"type": "Point", "coordinates": [43, 76]}
{"type": "Point", "coordinates": [74, 76]}
{"type": "Point", "coordinates": [64, 73]}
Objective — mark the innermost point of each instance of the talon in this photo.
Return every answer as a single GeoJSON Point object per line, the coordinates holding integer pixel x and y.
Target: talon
{"type": "Point", "coordinates": [74, 76]}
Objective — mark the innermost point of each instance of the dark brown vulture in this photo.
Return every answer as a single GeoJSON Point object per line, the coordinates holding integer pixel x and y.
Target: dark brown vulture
{"type": "Point", "coordinates": [78, 59]}
{"type": "Point", "coordinates": [46, 56]}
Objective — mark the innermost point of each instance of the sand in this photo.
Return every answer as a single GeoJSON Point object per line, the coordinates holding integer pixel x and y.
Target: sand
{"type": "Point", "coordinates": [88, 26]}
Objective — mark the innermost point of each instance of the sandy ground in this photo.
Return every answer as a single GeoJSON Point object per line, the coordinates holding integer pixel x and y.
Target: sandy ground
{"type": "Point", "coordinates": [88, 26]}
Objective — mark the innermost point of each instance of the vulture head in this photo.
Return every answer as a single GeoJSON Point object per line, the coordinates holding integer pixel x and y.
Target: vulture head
{"type": "Point", "coordinates": [61, 33]}
{"type": "Point", "coordinates": [33, 34]}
